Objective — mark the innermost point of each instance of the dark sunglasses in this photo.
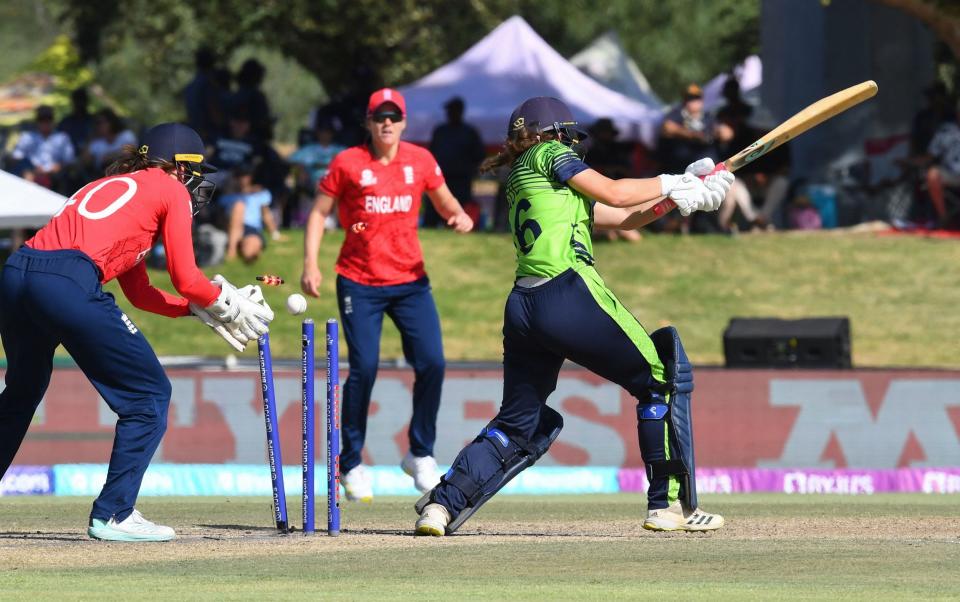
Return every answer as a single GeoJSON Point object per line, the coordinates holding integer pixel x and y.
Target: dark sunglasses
{"type": "Point", "coordinates": [381, 117]}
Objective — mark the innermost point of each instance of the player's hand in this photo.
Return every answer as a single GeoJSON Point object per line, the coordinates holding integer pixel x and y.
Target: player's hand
{"type": "Point", "coordinates": [701, 167]}
{"type": "Point", "coordinates": [460, 222]}
{"type": "Point", "coordinates": [719, 182]}
{"type": "Point", "coordinates": [690, 193]}
{"type": "Point", "coordinates": [245, 314]}
{"type": "Point", "coordinates": [238, 343]}
{"type": "Point", "coordinates": [310, 281]}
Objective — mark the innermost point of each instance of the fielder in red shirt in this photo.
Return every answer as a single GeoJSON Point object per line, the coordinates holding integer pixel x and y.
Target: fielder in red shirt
{"type": "Point", "coordinates": [376, 188]}
{"type": "Point", "coordinates": [51, 294]}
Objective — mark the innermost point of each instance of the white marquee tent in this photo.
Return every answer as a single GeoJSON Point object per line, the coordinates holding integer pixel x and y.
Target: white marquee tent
{"type": "Point", "coordinates": [606, 61]}
{"type": "Point", "coordinates": [24, 204]}
{"type": "Point", "coordinates": [749, 75]}
{"type": "Point", "coordinates": [509, 65]}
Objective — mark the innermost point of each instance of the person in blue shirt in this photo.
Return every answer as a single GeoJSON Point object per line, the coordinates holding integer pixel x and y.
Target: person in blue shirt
{"type": "Point", "coordinates": [249, 215]}
{"type": "Point", "coordinates": [312, 162]}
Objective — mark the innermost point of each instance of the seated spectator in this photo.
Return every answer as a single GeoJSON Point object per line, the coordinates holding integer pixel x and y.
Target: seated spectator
{"type": "Point", "coordinates": [687, 134]}
{"type": "Point", "coordinates": [110, 136]}
{"type": "Point", "coordinates": [944, 150]}
{"type": "Point", "coordinates": [41, 154]}
{"type": "Point", "coordinates": [314, 158]}
{"type": "Point", "coordinates": [313, 161]}
{"type": "Point", "coordinates": [248, 211]}
{"type": "Point", "coordinates": [79, 123]}
{"type": "Point", "coordinates": [612, 159]}
{"type": "Point", "coordinates": [936, 112]}
{"type": "Point", "coordinates": [766, 177]}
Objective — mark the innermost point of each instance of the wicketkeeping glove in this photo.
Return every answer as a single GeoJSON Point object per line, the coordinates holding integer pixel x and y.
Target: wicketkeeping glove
{"type": "Point", "coordinates": [237, 342]}
{"type": "Point", "coordinates": [244, 311]}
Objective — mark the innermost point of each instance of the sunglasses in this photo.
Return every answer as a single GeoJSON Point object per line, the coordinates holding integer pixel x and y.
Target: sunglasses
{"type": "Point", "coordinates": [381, 117]}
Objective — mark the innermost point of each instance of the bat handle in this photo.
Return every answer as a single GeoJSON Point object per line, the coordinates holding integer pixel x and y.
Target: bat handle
{"type": "Point", "coordinates": [719, 167]}
{"type": "Point", "coordinates": [667, 205]}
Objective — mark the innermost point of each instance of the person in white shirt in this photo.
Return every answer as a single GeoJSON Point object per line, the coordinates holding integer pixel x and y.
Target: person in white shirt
{"type": "Point", "coordinates": [111, 135]}
{"type": "Point", "coordinates": [41, 154]}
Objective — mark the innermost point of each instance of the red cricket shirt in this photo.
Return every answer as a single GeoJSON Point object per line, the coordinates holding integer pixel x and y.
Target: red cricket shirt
{"type": "Point", "coordinates": [116, 220]}
{"type": "Point", "coordinates": [383, 201]}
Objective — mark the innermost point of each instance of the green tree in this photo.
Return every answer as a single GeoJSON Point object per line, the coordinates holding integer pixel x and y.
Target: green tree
{"type": "Point", "coordinates": [146, 47]}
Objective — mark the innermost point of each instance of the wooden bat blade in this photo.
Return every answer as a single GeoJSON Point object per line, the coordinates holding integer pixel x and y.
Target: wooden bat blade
{"type": "Point", "coordinates": [812, 116]}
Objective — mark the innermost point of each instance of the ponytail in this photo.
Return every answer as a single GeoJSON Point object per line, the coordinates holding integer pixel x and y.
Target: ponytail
{"type": "Point", "coordinates": [517, 144]}
{"type": "Point", "coordinates": [135, 159]}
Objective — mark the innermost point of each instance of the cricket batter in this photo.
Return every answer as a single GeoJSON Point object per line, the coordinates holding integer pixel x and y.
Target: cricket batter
{"type": "Point", "coordinates": [377, 188]}
{"type": "Point", "coordinates": [51, 294]}
{"type": "Point", "coordinates": [561, 309]}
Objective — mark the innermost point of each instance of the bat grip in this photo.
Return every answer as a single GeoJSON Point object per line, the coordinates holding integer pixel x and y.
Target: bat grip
{"type": "Point", "coordinates": [667, 205]}
{"type": "Point", "coordinates": [719, 167]}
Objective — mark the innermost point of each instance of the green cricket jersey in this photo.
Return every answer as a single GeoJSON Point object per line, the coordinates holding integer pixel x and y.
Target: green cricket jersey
{"type": "Point", "coordinates": [551, 222]}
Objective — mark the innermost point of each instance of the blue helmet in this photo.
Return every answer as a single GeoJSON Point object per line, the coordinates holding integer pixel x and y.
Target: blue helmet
{"type": "Point", "coordinates": [547, 114]}
{"type": "Point", "coordinates": [180, 145]}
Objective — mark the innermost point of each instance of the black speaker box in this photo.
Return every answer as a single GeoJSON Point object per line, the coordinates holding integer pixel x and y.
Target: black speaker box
{"type": "Point", "coordinates": [775, 343]}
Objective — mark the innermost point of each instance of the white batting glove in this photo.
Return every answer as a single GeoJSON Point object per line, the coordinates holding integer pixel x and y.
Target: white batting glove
{"type": "Point", "coordinates": [719, 182]}
{"type": "Point", "coordinates": [689, 192]}
{"type": "Point", "coordinates": [701, 167]}
{"type": "Point", "coordinates": [237, 342]}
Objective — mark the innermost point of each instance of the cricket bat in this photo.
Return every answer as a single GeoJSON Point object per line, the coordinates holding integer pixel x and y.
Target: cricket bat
{"type": "Point", "coordinates": [813, 115]}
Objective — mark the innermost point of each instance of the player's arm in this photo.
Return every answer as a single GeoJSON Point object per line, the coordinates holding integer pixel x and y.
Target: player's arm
{"type": "Point", "coordinates": [313, 236]}
{"type": "Point", "coordinates": [177, 233]}
{"type": "Point", "coordinates": [621, 218]}
{"type": "Point", "coordinates": [450, 209]}
{"type": "Point", "coordinates": [626, 192]}
{"type": "Point", "coordinates": [135, 284]}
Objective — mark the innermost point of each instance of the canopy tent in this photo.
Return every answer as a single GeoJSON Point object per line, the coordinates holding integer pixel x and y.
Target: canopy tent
{"type": "Point", "coordinates": [749, 75]}
{"type": "Point", "coordinates": [606, 61]}
{"type": "Point", "coordinates": [24, 204]}
{"type": "Point", "coordinates": [509, 65]}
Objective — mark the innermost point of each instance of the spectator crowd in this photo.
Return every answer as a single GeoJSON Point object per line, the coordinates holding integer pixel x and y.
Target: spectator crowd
{"type": "Point", "coordinates": [259, 192]}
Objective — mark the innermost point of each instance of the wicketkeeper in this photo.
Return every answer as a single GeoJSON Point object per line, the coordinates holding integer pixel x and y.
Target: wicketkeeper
{"type": "Point", "coordinates": [51, 293]}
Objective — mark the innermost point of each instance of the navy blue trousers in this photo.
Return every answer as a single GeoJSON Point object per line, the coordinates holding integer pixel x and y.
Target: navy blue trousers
{"type": "Point", "coordinates": [573, 316]}
{"type": "Point", "coordinates": [413, 311]}
{"type": "Point", "coordinates": [48, 298]}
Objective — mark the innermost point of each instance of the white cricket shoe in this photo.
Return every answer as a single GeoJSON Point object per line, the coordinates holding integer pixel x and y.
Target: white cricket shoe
{"type": "Point", "coordinates": [424, 471]}
{"type": "Point", "coordinates": [358, 485]}
{"type": "Point", "coordinates": [433, 520]}
{"type": "Point", "coordinates": [676, 517]}
{"type": "Point", "coordinates": [133, 528]}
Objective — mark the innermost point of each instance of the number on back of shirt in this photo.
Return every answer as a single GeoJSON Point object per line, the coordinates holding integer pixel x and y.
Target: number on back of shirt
{"type": "Point", "coordinates": [521, 228]}
{"type": "Point", "coordinates": [123, 190]}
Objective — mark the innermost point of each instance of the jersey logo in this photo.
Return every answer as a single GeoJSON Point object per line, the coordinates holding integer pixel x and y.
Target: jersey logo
{"type": "Point", "coordinates": [407, 174]}
{"type": "Point", "coordinates": [367, 178]}
{"type": "Point", "coordinates": [128, 324]}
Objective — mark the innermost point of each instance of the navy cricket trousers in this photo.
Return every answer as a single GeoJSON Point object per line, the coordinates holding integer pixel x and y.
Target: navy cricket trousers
{"type": "Point", "coordinates": [49, 298]}
{"type": "Point", "coordinates": [414, 313]}
{"type": "Point", "coordinates": [573, 316]}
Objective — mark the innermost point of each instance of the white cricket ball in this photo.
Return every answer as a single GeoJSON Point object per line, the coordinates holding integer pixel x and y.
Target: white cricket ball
{"type": "Point", "coordinates": [296, 304]}
{"type": "Point", "coordinates": [230, 361]}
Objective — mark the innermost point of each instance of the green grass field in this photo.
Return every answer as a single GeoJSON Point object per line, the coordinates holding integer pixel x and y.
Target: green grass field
{"type": "Point", "coordinates": [900, 292]}
{"type": "Point", "coordinates": [884, 547]}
